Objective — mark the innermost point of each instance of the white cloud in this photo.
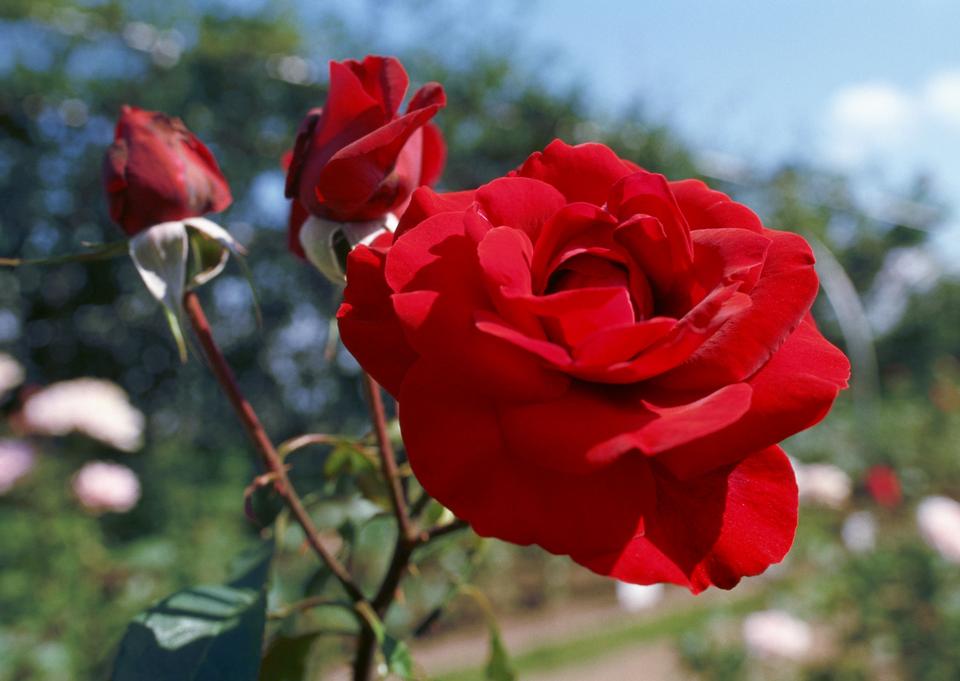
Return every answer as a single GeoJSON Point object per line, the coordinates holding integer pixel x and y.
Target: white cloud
{"type": "Point", "coordinates": [880, 121]}
{"type": "Point", "coordinates": [941, 97]}
{"type": "Point", "coordinates": [867, 118]}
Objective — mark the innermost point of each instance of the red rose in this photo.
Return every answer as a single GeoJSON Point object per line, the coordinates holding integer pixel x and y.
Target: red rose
{"type": "Point", "coordinates": [158, 171]}
{"type": "Point", "coordinates": [356, 160]}
{"type": "Point", "coordinates": [596, 360]}
{"type": "Point", "coordinates": [884, 485]}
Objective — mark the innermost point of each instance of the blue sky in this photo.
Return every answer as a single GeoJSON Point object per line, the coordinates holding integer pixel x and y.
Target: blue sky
{"type": "Point", "coordinates": [870, 87]}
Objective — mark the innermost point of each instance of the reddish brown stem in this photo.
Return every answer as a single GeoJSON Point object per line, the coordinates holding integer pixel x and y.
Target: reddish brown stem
{"type": "Point", "coordinates": [261, 442]}
{"type": "Point", "coordinates": [388, 461]}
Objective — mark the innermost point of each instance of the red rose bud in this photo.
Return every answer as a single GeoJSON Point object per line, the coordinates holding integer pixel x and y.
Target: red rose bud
{"type": "Point", "coordinates": [883, 484]}
{"type": "Point", "coordinates": [158, 171]}
{"type": "Point", "coordinates": [356, 159]}
{"type": "Point", "coordinates": [594, 359]}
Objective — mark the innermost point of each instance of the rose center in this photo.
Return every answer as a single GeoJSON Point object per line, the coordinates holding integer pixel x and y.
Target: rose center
{"type": "Point", "coordinates": [587, 271]}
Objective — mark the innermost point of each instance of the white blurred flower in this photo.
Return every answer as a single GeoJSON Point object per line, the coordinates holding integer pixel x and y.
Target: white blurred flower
{"type": "Point", "coordinates": [11, 374]}
{"type": "Point", "coordinates": [636, 597]}
{"type": "Point", "coordinates": [776, 633]}
{"type": "Point", "coordinates": [823, 483]}
{"type": "Point", "coordinates": [16, 460]}
{"type": "Point", "coordinates": [939, 521]}
{"type": "Point", "coordinates": [860, 532]}
{"type": "Point", "coordinates": [94, 407]}
{"type": "Point", "coordinates": [102, 486]}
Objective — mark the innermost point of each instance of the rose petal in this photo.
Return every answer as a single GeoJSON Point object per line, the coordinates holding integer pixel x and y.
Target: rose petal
{"type": "Point", "coordinates": [357, 171]}
{"type": "Point", "coordinates": [520, 203]}
{"type": "Point", "coordinates": [792, 392]}
{"type": "Point", "coordinates": [383, 78]}
{"type": "Point", "coordinates": [434, 154]}
{"type": "Point", "coordinates": [425, 203]}
{"type": "Point", "coordinates": [725, 255]}
{"type": "Point", "coordinates": [368, 326]}
{"type": "Point", "coordinates": [707, 208]}
{"type": "Point", "coordinates": [582, 173]}
{"type": "Point", "coordinates": [590, 427]}
{"type": "Point", "coordinates": [456, 449]}
{"type": "Point", "coordinates": [781, 297]}
{"type": "Point", "coordinates": [711, 530]}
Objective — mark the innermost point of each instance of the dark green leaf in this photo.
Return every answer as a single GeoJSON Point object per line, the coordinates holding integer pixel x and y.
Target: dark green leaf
{"type": "Point", "coordinates": [204, 633]}
{"type": "Point", "coordinates": [262, 501]}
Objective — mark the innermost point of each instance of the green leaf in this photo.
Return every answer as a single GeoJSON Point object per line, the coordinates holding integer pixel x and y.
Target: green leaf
{"type": "Point", "coordinates": [397, 655]}
{"type": "Point", "coordinates": [96, 252]}
{"type": "Point", "coordinates": [395, 652]}
{"type": "Point", "coordinates": [204, 633]}
{"type": "Point", "coordinates": [499, 667]}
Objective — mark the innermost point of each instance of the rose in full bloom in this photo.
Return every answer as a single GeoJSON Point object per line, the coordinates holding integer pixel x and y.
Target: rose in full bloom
{"type": "Point", "coordinates": [357, 160]}
{"type": "Point", "coordinates": [158, 171]}
{"type": "Point", "coordinates": [594, 359]}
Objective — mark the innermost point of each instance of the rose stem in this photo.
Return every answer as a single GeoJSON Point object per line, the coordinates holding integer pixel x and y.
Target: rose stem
{"type": "Point", "coordinates": [261, 442]}
{"type": "Point", "coordinates": [408, 538]}
{"type": "Point", "coordinates": [388, 462]}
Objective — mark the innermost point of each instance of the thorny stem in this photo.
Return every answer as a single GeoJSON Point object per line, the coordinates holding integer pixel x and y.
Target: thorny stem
{"type": "Point", "coordinates": [262, 443]}
{"type": "Point", "coordinates": [408, 538]}
{"type": "Point", "coordinates": [388, 462]}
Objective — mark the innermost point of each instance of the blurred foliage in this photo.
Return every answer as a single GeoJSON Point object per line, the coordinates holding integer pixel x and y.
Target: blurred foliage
{"type": "Point", "coordinates": [242, 75]}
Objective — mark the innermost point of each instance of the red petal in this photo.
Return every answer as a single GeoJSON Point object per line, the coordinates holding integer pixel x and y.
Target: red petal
{"type": "Point", "coordinates": [706, 208]}
{"type": "Point", "coordinates": [383, 78]}
{"type": "Point", "coordinates": [782, 295]}
{"type": "Point", "coordinates": [711, 530]}
{"type": "Point", "coordinates": [571, 227]}
{"type": "Point", "coordinates": [646, 193]}
{"type": "Point", "coordinates": [368, 326]}
{"type": "Point", "coordinates": [724, 256]}
{"type": "Point", "coordinates": [791, 393]}
{"type": "Point", "coordinates": [457, 452]}
{"type": "Point", "coordinates": [571, 316]}
{"type": "Point", "coordinates": [298, 215]}
{"type": "Point", "coordinates": [520, 203]}
{"type": "Point", "coordinates": [585, 172]}
{"type": "Point", "coordinates": [675, 347]}
{"type": "Point", "coordinates": [431, 94]}
{"type": "Point", "coordinates": [425, 203]}
{"type": "Point", "coordinates": [356, 172]}
{"type": "Point", "coordinates": [434, 155]}
{"type": "Point", "coordinates": [590, 427]}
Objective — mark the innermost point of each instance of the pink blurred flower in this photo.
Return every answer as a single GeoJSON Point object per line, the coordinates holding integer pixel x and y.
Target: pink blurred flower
{"type": "Point", "coordinates": [91, 406]}
{"type": "Point", "coordinates": [16, 460]}
{"type": "Point", "coordinates": [823, 484]}
{"type": "Point", "coordinates": [939, 521]}
{"type": "Point", "coordinates": [860, 532]}
{"type": "Point", "coordinates": [101, 486]}
{"type": "Point", "coordinates": [11, 374]}
{"type": "Point", "coordinates": [776, 633]}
